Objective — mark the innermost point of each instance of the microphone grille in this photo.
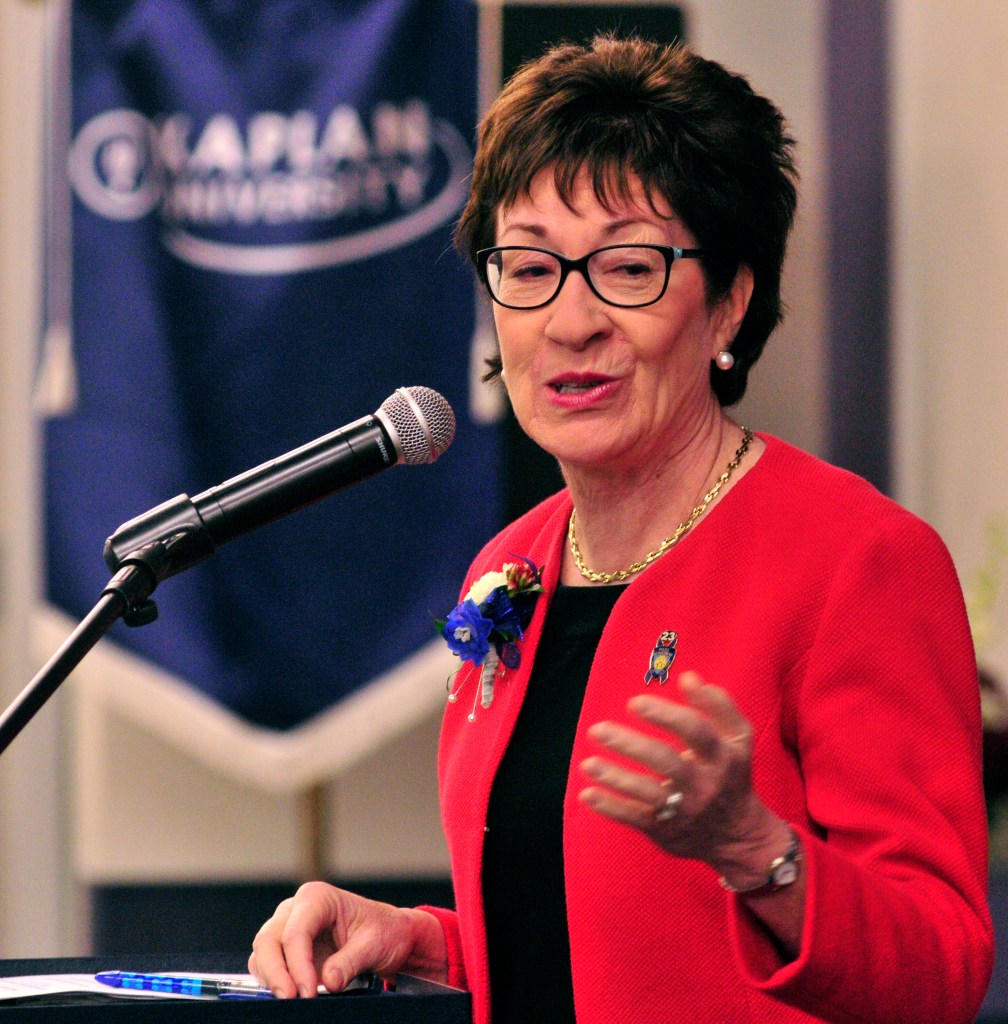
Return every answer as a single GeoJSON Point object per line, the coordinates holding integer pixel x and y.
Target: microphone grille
{"type": "Point", "coordinates": [423, 421]}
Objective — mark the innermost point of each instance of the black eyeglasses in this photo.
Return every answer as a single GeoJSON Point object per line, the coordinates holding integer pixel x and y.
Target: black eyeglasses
{"type": "Point", "coordinates": [523, 277]}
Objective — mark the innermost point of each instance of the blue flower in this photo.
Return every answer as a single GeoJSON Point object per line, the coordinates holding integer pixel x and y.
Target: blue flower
{"type": "Point", "coordinates": [468, 632]}
{"type": "Point", "coordinates": [485, 628]}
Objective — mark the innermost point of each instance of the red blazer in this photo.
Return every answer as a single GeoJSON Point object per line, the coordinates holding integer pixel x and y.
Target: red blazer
{"type": "Point", "coordinates": [835, 620]}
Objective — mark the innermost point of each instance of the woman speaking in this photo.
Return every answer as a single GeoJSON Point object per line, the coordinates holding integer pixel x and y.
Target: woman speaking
{"type": "Point", "coordinates": [713, 753]}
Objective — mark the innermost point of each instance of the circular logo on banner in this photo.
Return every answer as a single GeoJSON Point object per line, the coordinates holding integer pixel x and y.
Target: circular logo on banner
{"type": "Point", "coordinates": [279, 193]}
{"type": "Point", "coordinates": [113, 165]}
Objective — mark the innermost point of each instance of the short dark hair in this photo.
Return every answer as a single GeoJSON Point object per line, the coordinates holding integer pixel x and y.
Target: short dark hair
{"type": "Point", "coordinates": [693, 133]}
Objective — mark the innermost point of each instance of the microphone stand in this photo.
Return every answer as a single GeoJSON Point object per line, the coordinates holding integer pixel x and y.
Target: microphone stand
{"type": "Point", "coordinates": [184, 531]}
{"type": "Point", "coordinates": [126, 596]}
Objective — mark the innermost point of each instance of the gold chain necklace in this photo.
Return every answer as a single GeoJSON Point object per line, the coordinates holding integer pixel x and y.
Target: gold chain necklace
{"type": "Point", "coordinates": [669, 542]}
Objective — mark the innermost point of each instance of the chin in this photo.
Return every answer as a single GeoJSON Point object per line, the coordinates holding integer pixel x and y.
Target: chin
{"type": "Point", "coordinates": [582, 457]}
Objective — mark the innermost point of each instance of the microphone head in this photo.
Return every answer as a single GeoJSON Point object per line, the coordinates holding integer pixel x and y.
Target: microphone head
{"type": "Point", "coordinates": [421, 422]}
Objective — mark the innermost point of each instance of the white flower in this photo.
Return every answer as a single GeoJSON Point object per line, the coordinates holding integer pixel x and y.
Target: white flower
{"type": "Point", "coordinates": [481, 589]}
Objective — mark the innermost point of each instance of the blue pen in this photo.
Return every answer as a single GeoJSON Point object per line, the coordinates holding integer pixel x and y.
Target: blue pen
{"type": "Point", "coordinates": [174, 984]}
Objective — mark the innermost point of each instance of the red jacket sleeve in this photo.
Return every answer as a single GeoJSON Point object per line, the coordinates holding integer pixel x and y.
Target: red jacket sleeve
{"type": "Point", "coordinates": [885, 717]}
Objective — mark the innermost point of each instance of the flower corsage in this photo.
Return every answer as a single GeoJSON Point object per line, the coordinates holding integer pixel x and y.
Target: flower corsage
{"type": "Point", "coordinates": [485, 628]}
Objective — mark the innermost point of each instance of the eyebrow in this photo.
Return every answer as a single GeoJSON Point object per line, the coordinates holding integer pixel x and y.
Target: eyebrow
{"type": "Point", "coordinates": [539, 231]}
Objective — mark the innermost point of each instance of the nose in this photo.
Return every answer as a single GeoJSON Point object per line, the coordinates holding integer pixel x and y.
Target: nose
{"type": "Point", "coordinates": [577, 316]}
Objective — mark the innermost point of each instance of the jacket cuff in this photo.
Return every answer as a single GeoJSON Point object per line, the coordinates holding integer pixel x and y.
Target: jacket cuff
{"type": "Point", "coordinates": [448, 920]}
{"type": "Point", "coordinates": [759, 957]}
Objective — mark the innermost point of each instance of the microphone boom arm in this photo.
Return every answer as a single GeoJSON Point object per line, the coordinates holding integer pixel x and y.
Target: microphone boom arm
{"type": "Point", "coordinates": [125, 596]}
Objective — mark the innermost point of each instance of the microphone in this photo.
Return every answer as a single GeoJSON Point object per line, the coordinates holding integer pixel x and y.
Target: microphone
{"type": "Point", "coordinates": [414, 425]}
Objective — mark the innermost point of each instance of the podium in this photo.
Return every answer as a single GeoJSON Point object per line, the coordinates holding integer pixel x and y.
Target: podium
{"type": "Point", "coordinates": [414, 1001]}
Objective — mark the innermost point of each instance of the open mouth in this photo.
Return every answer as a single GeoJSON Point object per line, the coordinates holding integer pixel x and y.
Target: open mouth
{"type": "Point", "coordinates": [570, 387]}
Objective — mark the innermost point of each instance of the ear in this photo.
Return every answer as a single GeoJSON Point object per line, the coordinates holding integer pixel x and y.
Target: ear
{"type": "Point", "coordinates": [732, 309]}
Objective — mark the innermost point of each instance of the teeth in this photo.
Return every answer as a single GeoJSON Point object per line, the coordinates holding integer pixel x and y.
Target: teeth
{"type": "Point", "coordinates": [567, 388]}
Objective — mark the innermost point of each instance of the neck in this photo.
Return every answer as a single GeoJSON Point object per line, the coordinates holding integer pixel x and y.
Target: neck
{"type": "Point", "coordinates": [623, 515]}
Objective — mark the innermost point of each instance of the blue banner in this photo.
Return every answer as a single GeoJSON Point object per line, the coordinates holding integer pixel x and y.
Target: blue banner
{"type": "Point", "coordinates": [263, 195]}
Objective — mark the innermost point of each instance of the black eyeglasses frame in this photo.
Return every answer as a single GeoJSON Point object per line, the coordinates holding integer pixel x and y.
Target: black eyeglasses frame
{"type": "Point", "coordinates": [671, 253]}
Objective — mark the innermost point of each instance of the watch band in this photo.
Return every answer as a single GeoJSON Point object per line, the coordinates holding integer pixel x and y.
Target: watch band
{"type": "Point", "coordinates": [783, 872]}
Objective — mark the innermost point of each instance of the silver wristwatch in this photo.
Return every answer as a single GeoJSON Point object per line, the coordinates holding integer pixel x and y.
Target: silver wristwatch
{"type": "Point", "coordinates": [783, 872]}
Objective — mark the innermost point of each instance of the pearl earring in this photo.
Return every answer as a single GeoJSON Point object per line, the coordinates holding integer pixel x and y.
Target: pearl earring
{"type": "Point", "coordinates": [724, 360]}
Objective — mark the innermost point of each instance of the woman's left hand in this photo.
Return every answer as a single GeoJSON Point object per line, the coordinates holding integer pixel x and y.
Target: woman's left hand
{"type": "Point", "coordinates": [692, 792]}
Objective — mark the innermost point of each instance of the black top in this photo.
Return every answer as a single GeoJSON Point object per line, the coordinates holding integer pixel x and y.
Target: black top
{"type": "Point", "coordinates": [523, 878]}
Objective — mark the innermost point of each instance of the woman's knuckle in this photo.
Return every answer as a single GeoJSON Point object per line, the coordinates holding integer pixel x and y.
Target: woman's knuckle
{"type": "Point", "coordinates": [306, 890]}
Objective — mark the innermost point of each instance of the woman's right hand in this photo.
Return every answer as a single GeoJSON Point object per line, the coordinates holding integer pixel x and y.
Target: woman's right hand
{"type": "Point", "coordinates": [324, 934]}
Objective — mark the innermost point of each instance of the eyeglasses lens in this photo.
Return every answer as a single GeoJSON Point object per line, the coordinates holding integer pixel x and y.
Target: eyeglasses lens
{"type": "Point", "coordinates": [523, 277]}
{"type": "Point", "coordinates": [628, 276]}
